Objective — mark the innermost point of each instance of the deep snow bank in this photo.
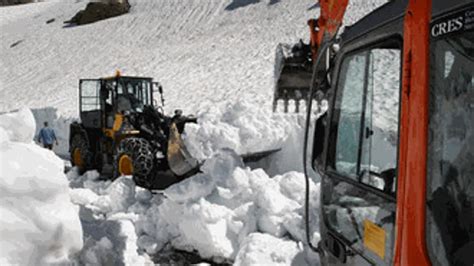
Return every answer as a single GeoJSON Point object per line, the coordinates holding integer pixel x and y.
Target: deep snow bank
{"type": "Point", "coordinates": [38, 224]}
{"type": "Point", "coordinates": [215, 211]}
{"type": "Point", "coordinates": [264, 249]}
{"type": "Point", "coordinates": [248, 127]}
{"type": "Point", "coordinates": [243, 126]}
{"type": "Point", "coordinates": [59, 123]}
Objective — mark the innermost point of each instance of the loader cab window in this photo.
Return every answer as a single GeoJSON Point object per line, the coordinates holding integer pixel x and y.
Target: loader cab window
{"type": "Point", "coordinates": [133, 94]}
{"type": "Point", "coordinates": [89, 92]}
{"type": "Point", "coordinates": [107, 91]}
{"type": "Point", "coordinates": [360, 206]}
{"type": "Point", "coordinates": [90, 103]}
{"type": "Point", "coordinates": [450, 174]}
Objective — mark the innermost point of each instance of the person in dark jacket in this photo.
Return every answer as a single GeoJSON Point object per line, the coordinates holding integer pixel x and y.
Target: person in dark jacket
{"type": "Point", "coordinates": [47, 137]}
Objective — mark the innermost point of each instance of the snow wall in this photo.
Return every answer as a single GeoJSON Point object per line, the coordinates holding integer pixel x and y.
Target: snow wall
{"type": "Point", "coordinates": [39, 224]}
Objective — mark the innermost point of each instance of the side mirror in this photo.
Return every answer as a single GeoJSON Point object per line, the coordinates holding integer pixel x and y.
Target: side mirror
{"type": "Point", "coordinates": [158, 86]}
{"type": "Point", "coordinates": [318, 142]}
{"type": "Point", "coordinates": [104, 93]}
{"type": "Point", "coordinates": [160, 90]}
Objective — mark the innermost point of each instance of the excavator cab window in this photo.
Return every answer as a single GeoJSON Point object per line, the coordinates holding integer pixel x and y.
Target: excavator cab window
{"type": "Point", "coordinates": [450, 175]}
{"type": "Point", "coordinates": [359, 209]}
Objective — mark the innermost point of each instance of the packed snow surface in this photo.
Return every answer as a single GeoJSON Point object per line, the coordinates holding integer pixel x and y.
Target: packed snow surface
{"type": "Point", "coordinates": [39, 224]}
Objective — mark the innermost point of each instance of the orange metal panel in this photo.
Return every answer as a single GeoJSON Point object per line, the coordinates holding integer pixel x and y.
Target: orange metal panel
{"type": "Point", "coordinates": [332, 12]}
{"type": "Point", "coordinates": [329, 21]}
{"type": "Point", "coordinates": [410, 246]}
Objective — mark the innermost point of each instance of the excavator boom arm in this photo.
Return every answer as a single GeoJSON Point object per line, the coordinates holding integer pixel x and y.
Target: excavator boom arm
{"type": "Point", "coordinates": [294, 64]}
{"type": "Point", "coordinates": [326, 26]}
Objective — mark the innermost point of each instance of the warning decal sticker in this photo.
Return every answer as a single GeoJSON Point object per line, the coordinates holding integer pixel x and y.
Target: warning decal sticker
{"type": "Point", "coordinates": [374, 238]}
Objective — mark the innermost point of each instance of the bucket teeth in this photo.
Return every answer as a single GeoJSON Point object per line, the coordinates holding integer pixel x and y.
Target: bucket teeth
{"type": "Point", "coordinates": [293, 72]}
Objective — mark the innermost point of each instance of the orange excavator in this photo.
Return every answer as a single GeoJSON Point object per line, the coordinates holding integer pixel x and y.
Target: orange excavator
{"type": "Point", "coordinates": [395, 148]}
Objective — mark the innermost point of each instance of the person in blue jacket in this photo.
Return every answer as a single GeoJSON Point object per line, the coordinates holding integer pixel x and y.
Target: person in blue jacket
{"type": "Point", "coordinates": [47, 136]}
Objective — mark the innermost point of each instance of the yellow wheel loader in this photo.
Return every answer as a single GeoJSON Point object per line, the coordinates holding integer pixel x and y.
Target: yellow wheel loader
{"type": "Point", "coordinates": [124, 131]}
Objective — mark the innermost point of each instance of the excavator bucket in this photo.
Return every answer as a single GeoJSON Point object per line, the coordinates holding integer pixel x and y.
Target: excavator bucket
{"type": "Point", "coordinates": [293, 71]}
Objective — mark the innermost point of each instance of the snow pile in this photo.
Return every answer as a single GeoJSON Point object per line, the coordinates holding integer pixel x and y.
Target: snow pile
{"type": "Point", "coordinates": [264, 249]}
{"type": "Point", "coordinates": [109, 229]}
{"type": "Point", "coordinates": [215, 213]}
{"type": "Point", "coordinates": [17, 126]}
{"type": "Point", "coordinates": [247, 127]}
{"type": "Point", "coordinates": [243, 126]}
{"type": "Point", "coordinates": [39, 223]}
{"type": "Point", "coordinates": [113, 242]}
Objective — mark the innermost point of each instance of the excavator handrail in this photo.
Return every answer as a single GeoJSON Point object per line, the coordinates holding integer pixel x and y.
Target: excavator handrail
{"type": "Point", "coordinates": [325, 46]}
{"type": "Point", "coordinates": [329, 22]}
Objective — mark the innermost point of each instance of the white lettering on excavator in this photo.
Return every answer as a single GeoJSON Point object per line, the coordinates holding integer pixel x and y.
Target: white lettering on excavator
{"type": "Point", "coordinates": [445, 27]}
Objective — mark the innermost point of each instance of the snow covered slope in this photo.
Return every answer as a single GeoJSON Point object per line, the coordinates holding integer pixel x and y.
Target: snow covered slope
{"type": "Point", "coordinates": [203, 52]}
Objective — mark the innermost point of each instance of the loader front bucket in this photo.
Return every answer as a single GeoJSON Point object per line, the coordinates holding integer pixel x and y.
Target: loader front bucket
{"type": "Point", "coordinates": [183, 164]}
{"type": "Point", "coordinates": [293, 71]}
{"type": "Point", "coordinates": [180, 160]}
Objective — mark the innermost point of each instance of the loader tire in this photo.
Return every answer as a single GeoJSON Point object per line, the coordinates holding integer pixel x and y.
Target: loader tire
{"type": "Point", "coordinates": [135, 157]}
{"type": "Point", "coordinates": [81, 155]}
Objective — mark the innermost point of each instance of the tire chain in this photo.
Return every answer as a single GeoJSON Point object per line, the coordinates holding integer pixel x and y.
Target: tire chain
{"type": "Point", "coordinates": [78, 141]}
{"type": "Point", "coordinates": [142, 156]}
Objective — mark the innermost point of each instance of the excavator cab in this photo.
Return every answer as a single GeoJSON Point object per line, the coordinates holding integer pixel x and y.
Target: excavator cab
{"type": "Point", "coordinates": [395, 150]}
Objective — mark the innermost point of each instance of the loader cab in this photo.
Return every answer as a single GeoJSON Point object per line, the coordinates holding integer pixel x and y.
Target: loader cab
{"type": "Point", "coordinates": [101, 99]}
{"type": "Point", "coordinates": [395, 154]}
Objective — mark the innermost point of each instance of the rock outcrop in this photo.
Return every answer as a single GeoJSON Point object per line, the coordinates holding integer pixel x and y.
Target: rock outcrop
{"type": "Point", "coordinates": [96, 11]}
